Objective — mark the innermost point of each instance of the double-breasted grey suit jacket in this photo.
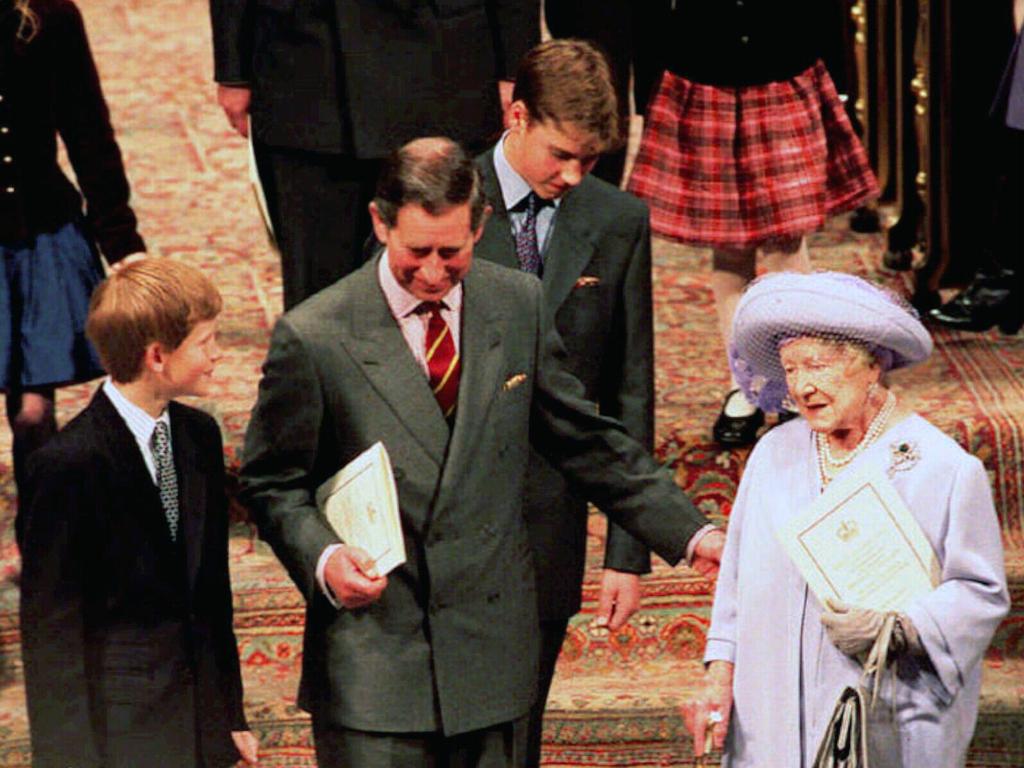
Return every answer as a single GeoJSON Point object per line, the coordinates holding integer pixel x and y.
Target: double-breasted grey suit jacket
{"type": "Point", "coordinates": [597, 293]}
{"type": "Point", "coordinates": [452, 643]}
{"type": "Point", "coordinates": [361, 77]}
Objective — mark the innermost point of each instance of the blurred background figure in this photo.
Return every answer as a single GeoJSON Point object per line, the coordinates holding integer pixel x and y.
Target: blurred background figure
{"type": "Point", "coordinates": [52, 233]}
{"type": "Point", "coordinates": [747, 148]}
{"type": "Point", "coordinates": [994, 296]}
{"type": "Point", "coordinates": [822, 344]}
{"type": "Point", "coordinates": [332, 87]}
{"type": "Point", "coordinates": [632, 36]}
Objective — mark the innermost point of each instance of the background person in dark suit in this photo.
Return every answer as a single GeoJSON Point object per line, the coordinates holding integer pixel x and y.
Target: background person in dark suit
{"type": "Point", "coordinates": [594, 244]}
{"type": "Point", "coordinates": [332, 86]}
{"type": "Point", "coordinates": [126, 621]}
{"type": "Point", "coordinates": [437, 662]}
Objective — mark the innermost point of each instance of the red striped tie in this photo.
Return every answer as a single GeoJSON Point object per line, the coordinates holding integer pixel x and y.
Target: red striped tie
{"type": "Point", "coordinates": [442, 359]}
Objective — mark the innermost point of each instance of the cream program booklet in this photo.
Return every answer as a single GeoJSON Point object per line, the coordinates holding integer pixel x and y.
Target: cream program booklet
{"type": "Point", "coordinates": [860, 544]}
{"type": "Point", "coordinates": [361, 504]}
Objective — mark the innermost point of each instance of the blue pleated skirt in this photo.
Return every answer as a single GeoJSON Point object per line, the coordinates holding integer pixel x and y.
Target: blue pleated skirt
{"type": "Point", "coordinates": [45, 287]}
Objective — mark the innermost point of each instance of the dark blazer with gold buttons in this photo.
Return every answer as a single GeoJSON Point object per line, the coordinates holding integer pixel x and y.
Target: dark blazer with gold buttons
{"type": "Point", "coordinates": [130, 656]}
{"type": "Point", "coordinates": [49, 87]}
{"type": "Point", "coordinates": [452, 643]}
{"type": "Point", "coordinates": [597, 293]}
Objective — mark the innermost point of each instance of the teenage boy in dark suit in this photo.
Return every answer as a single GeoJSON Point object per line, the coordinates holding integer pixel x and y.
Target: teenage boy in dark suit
{"type": "Point", "coordinates": [590, 243]}
{"type": "Point", "coordinates": [126, 620]}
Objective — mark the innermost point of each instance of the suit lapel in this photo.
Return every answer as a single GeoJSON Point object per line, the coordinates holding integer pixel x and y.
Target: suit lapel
{"type": "Point", "coordinates": [570, 250]}
{"type": "Point", "coordinates": [379, 348]}
{"type": "Point", "coordinates": [191, 504]}
{"type": "Point", "coordinates": [480, 342]}
{"type": "Point", "coordinates": [497, 243]}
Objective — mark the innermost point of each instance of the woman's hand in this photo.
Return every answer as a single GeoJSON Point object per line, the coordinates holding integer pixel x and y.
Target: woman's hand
{"type": "Point", "coordinates": [709, 713]}
{"type": "Point", "coordinates": [852, 630]}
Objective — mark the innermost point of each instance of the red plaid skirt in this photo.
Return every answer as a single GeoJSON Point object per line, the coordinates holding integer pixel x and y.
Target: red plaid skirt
{"type": "Point", "coordinates": [745, 167]}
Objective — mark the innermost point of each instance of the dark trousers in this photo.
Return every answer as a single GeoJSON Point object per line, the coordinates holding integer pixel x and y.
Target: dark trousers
{"type": "Point", "coordinates": [318, 205]}
{"type": "Point", "coordinates": [628, 34]}
{"type": "Point", "coordinates": [552, 633]}
{"type": "Point", "coordinates": [500, 746]}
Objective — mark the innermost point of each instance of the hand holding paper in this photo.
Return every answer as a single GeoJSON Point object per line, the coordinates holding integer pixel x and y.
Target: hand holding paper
{"type": "Point", "coordinates": [352, 576]}
{"type": "Point", "coordinates": [851, 630]}
{"type": "Point", "coordinates": [361, 504]}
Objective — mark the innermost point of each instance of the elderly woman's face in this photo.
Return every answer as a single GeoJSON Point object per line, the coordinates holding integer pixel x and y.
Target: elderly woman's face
{"type": "Point", "coordinates": [828, 382]}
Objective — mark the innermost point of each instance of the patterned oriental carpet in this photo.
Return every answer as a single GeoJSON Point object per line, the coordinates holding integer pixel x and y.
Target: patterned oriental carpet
{"type": "Point", "coordinates": [616, 695]}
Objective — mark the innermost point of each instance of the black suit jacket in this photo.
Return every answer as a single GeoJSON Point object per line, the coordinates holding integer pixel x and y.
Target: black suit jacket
{"type": "Point", "coordinates": [361, 77]}
{"type": "Point", "coordinates": [597, 293]}
{"type": "Point", "coordinates": [452, 642]}
{"type": "Point", "coordinates": [130, 656]}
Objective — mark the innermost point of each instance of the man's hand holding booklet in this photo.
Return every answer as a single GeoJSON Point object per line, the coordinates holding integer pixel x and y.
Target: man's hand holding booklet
{"type": "Point", "coordinates": [361, 504]}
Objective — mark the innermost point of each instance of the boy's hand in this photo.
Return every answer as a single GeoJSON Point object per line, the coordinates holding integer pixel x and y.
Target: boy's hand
{"type": "Point", "coordinates": [352, 577]}
{"type": "Point", "coordinates": [248, 747]}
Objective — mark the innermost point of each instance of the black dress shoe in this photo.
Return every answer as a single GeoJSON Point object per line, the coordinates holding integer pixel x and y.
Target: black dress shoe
{"type": "Point", "coordinates": [990, 299]}
{"type": "Point", "coordinates": [736, 430]}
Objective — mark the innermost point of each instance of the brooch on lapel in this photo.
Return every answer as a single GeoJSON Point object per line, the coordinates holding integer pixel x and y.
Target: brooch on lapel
{"type": "Point", "coordinates": [903, 455]}
{"type": "Point", "coordinates": [513, 381]}
{"type": "Point", "coordinates": [587, 281]}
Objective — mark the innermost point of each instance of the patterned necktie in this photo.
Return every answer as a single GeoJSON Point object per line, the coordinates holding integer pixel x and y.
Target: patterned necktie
{"type": "Point", "coordinates": [442, 359]}
{"type": "Point", "coordinates": [527, 248]}
{"type": "Point", "coordinates": [166, 477]}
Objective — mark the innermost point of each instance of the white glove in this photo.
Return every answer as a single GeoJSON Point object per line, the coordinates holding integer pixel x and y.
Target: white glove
{"type": "Point", "coordinates": [852, 630]}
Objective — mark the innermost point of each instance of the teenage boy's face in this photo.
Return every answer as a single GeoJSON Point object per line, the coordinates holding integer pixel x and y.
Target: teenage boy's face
{"type": "Point", "coordinates": [188, 370]}
{"type": "Point", "coordinates": [552, 157]}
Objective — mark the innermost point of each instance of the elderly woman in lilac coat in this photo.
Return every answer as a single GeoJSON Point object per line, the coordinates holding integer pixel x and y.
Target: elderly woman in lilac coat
{"type": "Point", "coordinates": [777, 660]}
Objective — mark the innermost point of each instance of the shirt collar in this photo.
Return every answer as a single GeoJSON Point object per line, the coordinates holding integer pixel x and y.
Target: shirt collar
{"type": "Point", "coordinates": [514, 188]}
{"type": "Point", "coordinates": [139, 423]}
{"type": "Point", "coordinates": [400, 301]}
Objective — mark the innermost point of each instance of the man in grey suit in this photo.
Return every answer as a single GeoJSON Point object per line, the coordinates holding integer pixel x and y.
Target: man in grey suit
{"type": "Point", "coordinates": [453, 370]}
{"type": "Point", "coordinates": [333, 85]}
{"type": "Point", "coordinates": [594, 247]}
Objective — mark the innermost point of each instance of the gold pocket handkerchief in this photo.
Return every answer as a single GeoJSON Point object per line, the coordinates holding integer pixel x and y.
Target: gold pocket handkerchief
{"type": "Point", "coordinates": [587, 281]}
{"type": "Point", "coordinates": [514, 381]}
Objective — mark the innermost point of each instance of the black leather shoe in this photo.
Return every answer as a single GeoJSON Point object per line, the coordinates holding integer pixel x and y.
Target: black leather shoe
{"type": "Point", "coordinates": [736, 430]}
{"type": "Point", "coordinates": [990, 299]}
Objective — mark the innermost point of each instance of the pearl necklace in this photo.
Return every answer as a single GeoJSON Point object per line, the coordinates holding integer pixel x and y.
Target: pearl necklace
{"type": "Point", "coordinates": [828, 465]}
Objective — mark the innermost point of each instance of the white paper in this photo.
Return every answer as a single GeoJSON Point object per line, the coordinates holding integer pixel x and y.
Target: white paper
{"type": "Point", "coordinates": [859, 544]}
{"type": "Point", "coordinates": [361, 504]}
{"type": "Point", "coordinates": [257, 190]}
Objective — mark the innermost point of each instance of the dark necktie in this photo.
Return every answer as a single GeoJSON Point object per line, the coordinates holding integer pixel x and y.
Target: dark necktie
{"type": "Point", "coordinates": [166, 477]}
{"type": "Point", "coordinates": [527, 247]}
{"type": "Point", "coordinates": [442, 359]}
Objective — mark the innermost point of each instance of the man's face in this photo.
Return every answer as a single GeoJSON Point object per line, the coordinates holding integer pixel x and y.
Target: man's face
{"type": "Point", "coordinates": [552, 157]}
{"type": "Point", "coordinates": [428, 255]}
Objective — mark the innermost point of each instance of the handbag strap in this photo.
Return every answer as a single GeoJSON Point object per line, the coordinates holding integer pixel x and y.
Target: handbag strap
{"type": "Point", "coordinates": [878, 658]}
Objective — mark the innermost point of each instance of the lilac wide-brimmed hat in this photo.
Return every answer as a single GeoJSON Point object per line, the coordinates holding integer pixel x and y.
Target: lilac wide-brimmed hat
{"type": "Point", "coordinates": [828, 305]}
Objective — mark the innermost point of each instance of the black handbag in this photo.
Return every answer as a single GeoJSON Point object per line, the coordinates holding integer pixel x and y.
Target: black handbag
{"type": "Point", "coordinates": [863, 732]}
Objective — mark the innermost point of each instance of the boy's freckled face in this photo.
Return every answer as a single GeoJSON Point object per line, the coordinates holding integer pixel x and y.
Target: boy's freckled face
{"type": "Point", "coordinates": [188, 370]}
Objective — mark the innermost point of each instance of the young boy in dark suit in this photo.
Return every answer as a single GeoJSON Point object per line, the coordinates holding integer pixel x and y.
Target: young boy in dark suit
{"type": "Point", "coordinates": [126, 620]}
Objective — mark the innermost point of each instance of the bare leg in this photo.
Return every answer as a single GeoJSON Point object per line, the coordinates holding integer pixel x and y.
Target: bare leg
{"type": "Point", "coordinates": [787, 256]}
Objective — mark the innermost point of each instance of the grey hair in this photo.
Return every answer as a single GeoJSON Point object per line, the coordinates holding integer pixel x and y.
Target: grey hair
{"type": "Point", "coordinates": [435, 173]}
